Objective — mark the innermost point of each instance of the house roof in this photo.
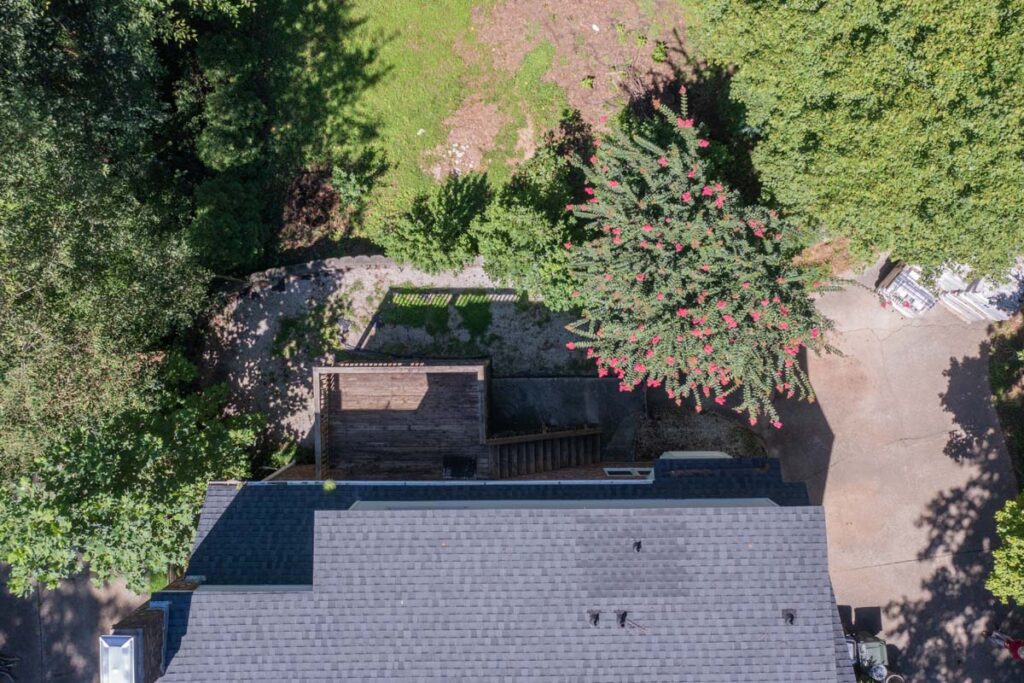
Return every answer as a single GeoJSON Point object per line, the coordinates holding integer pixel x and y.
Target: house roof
{"type": "Point", "coordinates": [503, 590]}
{"type": "Point", "coordinates": [500, 594]}
{"type": "Point", "coordinates": [262, 533]}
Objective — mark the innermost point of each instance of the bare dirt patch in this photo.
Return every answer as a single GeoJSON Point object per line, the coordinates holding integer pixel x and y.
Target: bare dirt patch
{"type": "Point", "coordinates": [606, 51]}
{"type": "Point", "coordinates": [833, 253]}
{"type": "Point", "coordinates": [471, 133]}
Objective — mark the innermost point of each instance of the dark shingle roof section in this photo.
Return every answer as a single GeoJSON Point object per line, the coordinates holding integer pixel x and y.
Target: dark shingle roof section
{"type": "Point", "coordinates": [487, 595]}
{"type": "Point", "coordinates": [263, 533]}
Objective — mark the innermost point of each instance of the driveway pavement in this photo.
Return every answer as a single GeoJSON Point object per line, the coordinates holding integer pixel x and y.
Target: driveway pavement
{"type": "Point", "coordinates": [55, 632]}
{"type": "Point", "coordinates": [904, 451]}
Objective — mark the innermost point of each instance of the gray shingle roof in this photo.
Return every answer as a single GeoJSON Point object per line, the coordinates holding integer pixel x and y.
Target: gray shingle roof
{"type": "Point", "coordinates": [263, 533]}
{"type": "Point", "coordinates": [503, 594]}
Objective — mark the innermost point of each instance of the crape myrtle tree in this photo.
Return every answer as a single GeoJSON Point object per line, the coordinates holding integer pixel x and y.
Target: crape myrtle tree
{"type": "Point", "coordinates": [684, 286]}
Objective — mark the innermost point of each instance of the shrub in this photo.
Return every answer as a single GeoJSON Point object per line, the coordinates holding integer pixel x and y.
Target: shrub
{"type": "Point", "coordinates": [227, 230]}
{"type": "Point", "coordinates": [434, 234]}
{"type": "Point", "coordinates": [1006, 581]}
{"type": "Point", "coordinates": [522, 248]}
{"type": "Point", "coordinates": [684, 286]}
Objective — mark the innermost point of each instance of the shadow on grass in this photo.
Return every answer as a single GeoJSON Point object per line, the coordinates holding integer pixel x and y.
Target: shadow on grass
{"type": "Point", "coordinates": [315, 77]}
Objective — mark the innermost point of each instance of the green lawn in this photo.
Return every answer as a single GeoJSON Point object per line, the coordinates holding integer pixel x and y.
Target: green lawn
{"type": "Point", "coordinates": [425, 78]}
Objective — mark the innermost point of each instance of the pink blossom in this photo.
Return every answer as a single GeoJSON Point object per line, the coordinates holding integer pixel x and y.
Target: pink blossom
{"type": "Point", "coordinates": [603, 118]}
{"type": "Point", "coordinates": [783, 326]}
{"type": "Point", "coordinates": [718, 187]}
{"type": "Point", "coordinates": [719, 201]}
{"type": "Point", "coordinates": [613, 183]}
{"type": "Point", "coordinates": [719, 304]}
{"type": "Point", "coordinates": [569, 207]}
{"type": "Point", "coordinates": [682, 312]}
{"type": "Point", "coordinates": [702, 143]}
{"type": "Point", "coordinates": [640, 277]}
{"type": "Point", "coordinates": [679, 247]}
{"type": "Point", "coordinates": [661, 296]}
{"type": "Point", "coordinates": [602, 372]}
{"type": "Point", "coordinates": [684, 123]}
{"type": "Point", "coordinates": [777, 424]}
{"type": "Point", "coordinates": [616, 231]}
{"type": "Point", "coordinates": [764, 303]}
{"type": "Point", "coordinates": [706, 267]}
{"type": "Point", "coordinates": [617, 240]}
{"type": "Point", "coordinates": [643, 244]}
{"type": "Point", "coordinates": [647, 227]}
{"type": "Point", "coordinates": [567, 245]}
{"type": "Point", "coordinates": [670, 360]}
{"type": "Point", "coordinates": [650, 353]}
{"type": "Point", "coordinates": [570, 345]}
{"type": "Point", "coordinates": [687, 197]}
{"type": "Point", "coordinates": [575, 292]}
{"type": "Point", "coordinates": [707, 191]}
{"type": "Point", "coordinates": [662, 161]}
{"type": "Point", "coordinates": [607, 277]}
{"type": "Point", "coordinates": [756, 315]}
{"type": "Point", "coordinates": [815, 332]}
{"type": "Point", "coordinates": [708, 348]}
{"type": "Point", "coordinates": [720, 400]}
{"type": "Point", "coordinates": [746, 285]}
{"type": "Point", "coordinates": [753, 421]}
{"type": "Point", "coordinates": [640, 367]}
{"type": "Point", "coordinates": [759, 232]}
{"type": "Point", "coordinates": [593, 159]}
{"type": "Point", "coordinates": [632, 338]}
{"type": "Point", "coordinates": [589, 191]}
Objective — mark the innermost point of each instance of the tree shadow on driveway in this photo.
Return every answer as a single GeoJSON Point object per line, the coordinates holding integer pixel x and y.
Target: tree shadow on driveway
{"type": "Point", "coordinates": [943, 629]}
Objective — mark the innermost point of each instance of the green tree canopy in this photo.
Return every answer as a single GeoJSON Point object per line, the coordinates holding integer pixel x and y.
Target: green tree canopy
{"type": "Point", "coordinates": [123, 496]}
{"type": "Point", "coordinates": [1006, 581]}
{"type": "Point", "coordinates": [684, 286]}
{"type": "Point", "coordinates": [894, 123]}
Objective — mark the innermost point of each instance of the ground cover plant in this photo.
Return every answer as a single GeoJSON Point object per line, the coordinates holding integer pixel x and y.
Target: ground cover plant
{"type": "Point", "coordinates": [890, 123]}
{"type": "Point", "coordinates": [684, 286]}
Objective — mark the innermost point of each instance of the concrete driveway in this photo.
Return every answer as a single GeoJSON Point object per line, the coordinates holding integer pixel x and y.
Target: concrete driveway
{"type": "Point", "coordinates": [55, 633]}
{"type": "Point", "coordinates": [904, 451]}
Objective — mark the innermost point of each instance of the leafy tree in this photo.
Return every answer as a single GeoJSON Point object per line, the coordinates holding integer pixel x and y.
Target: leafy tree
{"type": "Point", "coordinates": [893, 123]}
{"type": "Point", "coordinates": [123, 496]}
{"type": "Point", "coordinates": [228, 230]}
{"type": "Point", "coordinates": [1006, 581]}
{"type": "Point", "coordinates": [684, 286]}
{"type": "Point", "coordinates": [434, 234]}
{"type": "Point", "coordinates": [234, 114]}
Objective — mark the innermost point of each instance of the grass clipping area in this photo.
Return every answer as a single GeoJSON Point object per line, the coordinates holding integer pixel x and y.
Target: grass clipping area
{"type": "Point", "coordinates": [1006, 373]}
{"type": "Point", "coordinates": [431, 65]}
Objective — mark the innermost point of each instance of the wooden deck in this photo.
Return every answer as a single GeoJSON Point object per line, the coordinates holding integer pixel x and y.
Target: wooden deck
{"type": "Point", "coordinates": [401, 421]}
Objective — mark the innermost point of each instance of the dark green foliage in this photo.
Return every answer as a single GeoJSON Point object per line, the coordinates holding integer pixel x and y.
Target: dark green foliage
{"type": "Point", "coordinates": [234, 114]}
{"type": "Point", "coordinates": [228, 232]}
{"type": "Point", "coordinates": [104, 450]}
{"type": "Point", "coordinates": [434, 234]}
{"type": "Point", "coordinates": [685, 286]}
{"type": "Point", "coordinates": [892, 123]}
{"type": "Point", "coordinates": [123, 496]}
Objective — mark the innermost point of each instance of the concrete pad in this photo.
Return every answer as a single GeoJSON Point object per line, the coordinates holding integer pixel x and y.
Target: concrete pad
{"type": "Point", "coordinates": [904, 451]}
